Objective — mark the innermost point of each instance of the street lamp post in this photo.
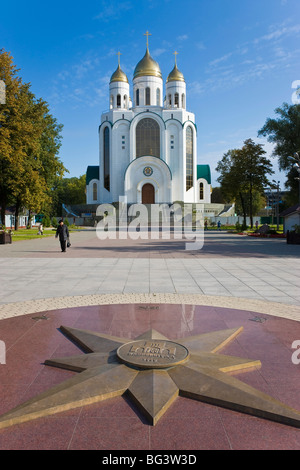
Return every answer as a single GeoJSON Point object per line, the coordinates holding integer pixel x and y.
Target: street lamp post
{"type": "Point", "coordinates": [296, 159]}
{"type": "Point", "coordinates": [277, 205]}
{"type": "Point", "coordinates": [276, 200]}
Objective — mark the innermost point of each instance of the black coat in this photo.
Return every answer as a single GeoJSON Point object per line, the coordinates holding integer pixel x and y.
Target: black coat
{"type": "Point", "coordinates": [62, 232]}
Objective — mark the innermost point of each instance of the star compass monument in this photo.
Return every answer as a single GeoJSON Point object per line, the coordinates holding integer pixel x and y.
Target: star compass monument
{"type": "Point", "coordinates": [153, 370]}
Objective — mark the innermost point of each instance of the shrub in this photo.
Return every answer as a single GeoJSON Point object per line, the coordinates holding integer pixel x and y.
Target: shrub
{"type": "Point", "coordinates": [54, 222]}
{"type": "Point", "coordinates": [46, 221]}
{"type": "Point", "coordinates": [296, 228]}
{"type": "Point", "coordinates": [240, 227]}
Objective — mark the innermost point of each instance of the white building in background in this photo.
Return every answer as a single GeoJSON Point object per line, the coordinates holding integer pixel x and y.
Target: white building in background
{"type": "Point", "coordinates": [148, 142]}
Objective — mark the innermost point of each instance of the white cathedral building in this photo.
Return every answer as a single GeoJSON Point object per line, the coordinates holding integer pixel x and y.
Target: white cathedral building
{"type": "Point", "coordinates": [148, 142]}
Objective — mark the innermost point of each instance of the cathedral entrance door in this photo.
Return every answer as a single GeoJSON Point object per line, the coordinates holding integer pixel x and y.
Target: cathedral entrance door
{"type": "Point", "coordinates": [148, 194]}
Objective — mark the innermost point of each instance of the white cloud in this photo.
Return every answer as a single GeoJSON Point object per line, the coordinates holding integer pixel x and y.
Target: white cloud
{"type": "Point", "coordinates": [83, 68]}
{"type": "Point", "coordinates": [201, 46]}
{"type": "Point", "coordinates": [183, 37]}
{"type": "Point", "coordinates": [159, 51]}
{"type": "Point", "coordinates": [77, 86]}
{"type": "Point", "coordinates": [196, 88]}
{"type": "Point", "coordinates": [279, 33]}
{"type": "Point", "coordinates": [224, 58]}
{"type": "Point", "coordinates": [254, 60]}
{"type": "Point", "coordinates": [113, 10]}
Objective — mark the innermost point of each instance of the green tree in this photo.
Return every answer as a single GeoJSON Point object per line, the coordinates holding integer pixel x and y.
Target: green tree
{"type": "Point", "coordinates": [30, 185]}
{"type": "Point", "coordinates": [8, 123]}
{"type": "Point", "coordinates": [68, 191]}
{"type": "Point", "coordinates": [242, 173]}
{"type": "Point", "coordinates": [217, 196]}
{"type": "Point", "coordinates": [258, 203]}
{"type": "Point", "coordinates": [30, 139]}
{"type": "Point", "coordinates": [230, 178]}
{"type": "Point", "coordinates": [284, 132]}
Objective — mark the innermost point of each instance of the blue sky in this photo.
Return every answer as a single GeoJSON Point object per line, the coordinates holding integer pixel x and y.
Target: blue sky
{"type": "Point", "coordinates": [239, 59]}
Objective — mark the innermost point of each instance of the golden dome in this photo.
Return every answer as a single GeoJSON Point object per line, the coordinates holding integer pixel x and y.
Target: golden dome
{"type": "Point", "coordinates": [147, 66]}
{"type": "Point", "coordinates": [119, 76]}
{"type": "Point", "coordinates": [175, 75]}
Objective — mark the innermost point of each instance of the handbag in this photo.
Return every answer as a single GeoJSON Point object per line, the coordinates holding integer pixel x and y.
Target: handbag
{"type": "Point", "coordinates": [68, 243]}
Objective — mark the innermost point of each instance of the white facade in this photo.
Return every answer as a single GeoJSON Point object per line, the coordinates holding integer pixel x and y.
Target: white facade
{"type": "Point", "coordinates": [148, 142]}
{"type": "Point", "coordinates": [291, 220]}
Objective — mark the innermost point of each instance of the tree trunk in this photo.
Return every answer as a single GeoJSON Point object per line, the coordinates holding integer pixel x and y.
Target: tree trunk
{"type": "Point", "coordinates": [3, 214]}
{"type": "Point", "coordinates": [29, 219]}
{"type": "Point", "coordinates": [244, 210]}
{"type": "Point", "coordinates": [251, 206]}
{"type": "Point", "coordinates": [3, 209]}
{"type": "Point", "coordinates": [17, 211]}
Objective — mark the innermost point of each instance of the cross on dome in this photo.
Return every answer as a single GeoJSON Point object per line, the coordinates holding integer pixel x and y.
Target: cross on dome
{"type": "Point", "coordinates": [119, 54]}
{"type": "Point", "coordinates": [175, 75]}
{"type": "Point", "coordinates": [147, 34]}
{"type": "Point", "coordinates": [147, 66]}
{"type": "Point", "coordinates": [119, 75]}
{"type": "Point", "coordinates": [175, 53]}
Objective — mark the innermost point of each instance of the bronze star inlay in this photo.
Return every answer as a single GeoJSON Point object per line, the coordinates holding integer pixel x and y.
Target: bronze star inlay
{"type": "Point", "coordinates": [153, 370]}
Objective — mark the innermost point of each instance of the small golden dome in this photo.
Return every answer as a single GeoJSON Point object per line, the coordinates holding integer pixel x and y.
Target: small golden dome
{"type": "Point", "coordinates": [147, 66]}
{"type": "Point", "coordinates": [175, 75]}
{"type": "Point", "coordinates": [119, 76]}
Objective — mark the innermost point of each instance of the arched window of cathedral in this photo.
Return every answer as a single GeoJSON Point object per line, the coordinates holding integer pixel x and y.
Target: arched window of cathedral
{"type": "Point", "coordinates": [125, 101]}
{"type": "Point", "coordinates": [189, 157]}
{"type": "Point", "coordinates": [95, 192]}
{"type": "Point", "coordinates": [118, 101]}
{"type": "Point", "coordinates": [157, 97]}
{"type": "Point", "coordinates": [201, 191]}
{"type": "Point", "coordinates": [176, 100]}
{"type": "Point", "coordinates": [183, 100]}
{"type": "Point", "coordinates": [147, 138]}
{"type": "Point", "coordinates": [106, 169]}
{"type": "Point", "coordinates": [147, 96]}
{"type": "Point", "coordinates": [111, 101]}
{"type": "Point", "coordinates": [137, 97]}
{"type": "Point", "coordinates": [170, 100]}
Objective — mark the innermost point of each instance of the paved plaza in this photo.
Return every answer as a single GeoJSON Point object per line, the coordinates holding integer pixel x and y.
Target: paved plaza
{"type": "Point", "coordinates": [123, 288]}
{"type": "Point", "coordinates": [230, 270]}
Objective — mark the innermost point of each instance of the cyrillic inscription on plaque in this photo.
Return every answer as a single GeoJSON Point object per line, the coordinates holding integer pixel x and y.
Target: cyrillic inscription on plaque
{"type": "Point", "coordinates": [153, 354]}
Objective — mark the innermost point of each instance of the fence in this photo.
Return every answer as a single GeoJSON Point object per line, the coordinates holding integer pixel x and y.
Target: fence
{"type": "Point", "coordinates": [232, 220]}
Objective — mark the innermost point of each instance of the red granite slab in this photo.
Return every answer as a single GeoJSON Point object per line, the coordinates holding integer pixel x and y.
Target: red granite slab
{"type": "Point", "coordinates": [117, 424]}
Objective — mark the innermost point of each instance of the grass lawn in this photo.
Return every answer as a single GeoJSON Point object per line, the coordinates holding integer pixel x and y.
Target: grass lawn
{"type": "Point", "coordinates": [249, 230]}
{"type": "Point", "coordinates": [29, 234]}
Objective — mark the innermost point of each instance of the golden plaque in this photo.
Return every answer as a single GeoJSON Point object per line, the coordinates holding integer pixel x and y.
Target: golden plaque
{"type": "Point", "coordinates": [157, 354]}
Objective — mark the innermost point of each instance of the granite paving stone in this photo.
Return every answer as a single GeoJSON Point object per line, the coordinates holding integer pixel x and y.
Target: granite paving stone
{"type": "Point", "coordinates": [123, 286]}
